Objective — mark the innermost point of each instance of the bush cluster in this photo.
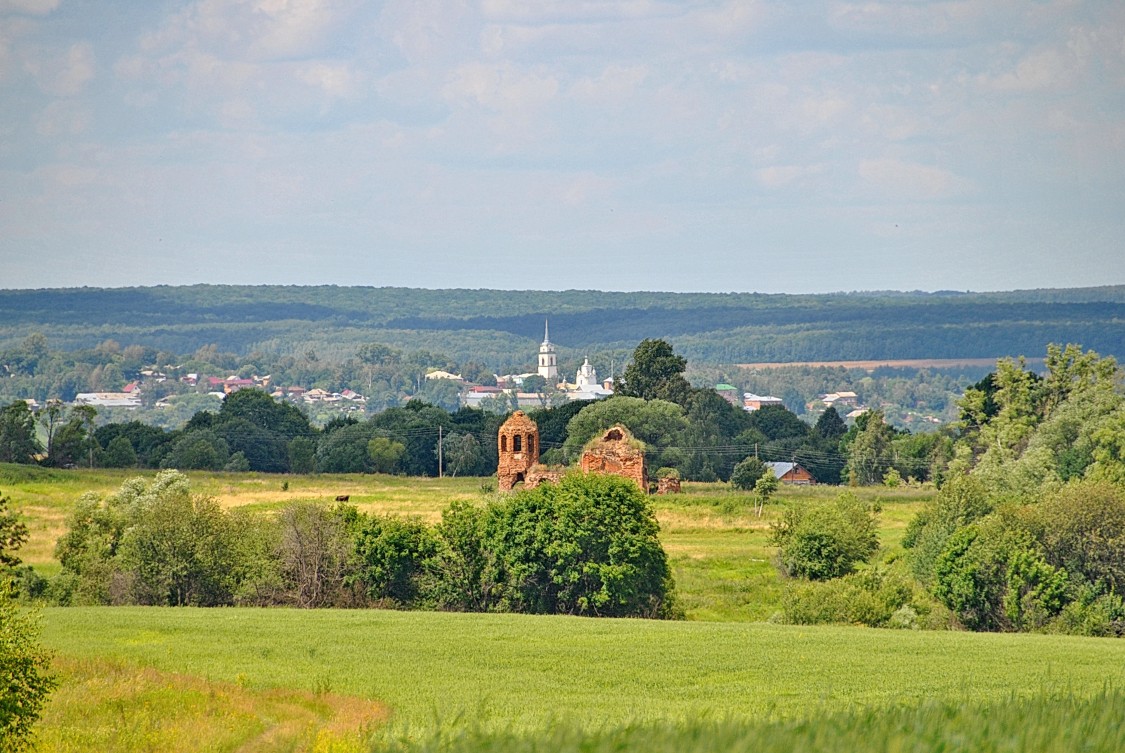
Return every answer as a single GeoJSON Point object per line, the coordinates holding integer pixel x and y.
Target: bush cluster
{"type": "Point", "coordinates": [881, 596]}
{"type": "Point", "coordinates": [587, 546]}
{"type": "Point", "coordinates": [825, 540]}
{"type": "Point", "coordinates": [1051, 564]}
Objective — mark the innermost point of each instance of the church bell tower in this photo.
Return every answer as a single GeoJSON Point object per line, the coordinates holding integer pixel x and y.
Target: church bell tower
{"type": "Point", "coordinates": [548, 359]}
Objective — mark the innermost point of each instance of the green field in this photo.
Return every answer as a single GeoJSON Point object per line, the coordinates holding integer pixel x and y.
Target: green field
{"type": "Point", "coordinates": [516, 673]}
{"type": "Point", "coordinates": [281, 679]}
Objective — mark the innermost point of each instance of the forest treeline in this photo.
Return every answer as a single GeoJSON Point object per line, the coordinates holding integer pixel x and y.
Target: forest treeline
{"type": "Point", "coordinates": [691, 431]}
{"type": "Point", "coordinates": [496, 327]}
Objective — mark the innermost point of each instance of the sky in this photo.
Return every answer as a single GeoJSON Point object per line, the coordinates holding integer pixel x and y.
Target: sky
{"type": "Point", "coordinates": [555, 144]}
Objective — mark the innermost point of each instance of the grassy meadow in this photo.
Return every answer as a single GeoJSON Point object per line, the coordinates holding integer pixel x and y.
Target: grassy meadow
{"type": "Point", "coordinates": [434, 673]}
{"type": "Point", "coordinates": [339, 680]}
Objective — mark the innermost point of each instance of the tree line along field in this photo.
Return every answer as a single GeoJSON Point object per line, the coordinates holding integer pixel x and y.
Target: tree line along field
{"type": "Point", "coordinates": [284, 679]}
{"type": "Point", "coordinates": [718, 548]}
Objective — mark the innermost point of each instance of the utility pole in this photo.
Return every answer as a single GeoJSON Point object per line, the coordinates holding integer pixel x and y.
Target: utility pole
{"type": "Point", "coordinates": [439, 469]}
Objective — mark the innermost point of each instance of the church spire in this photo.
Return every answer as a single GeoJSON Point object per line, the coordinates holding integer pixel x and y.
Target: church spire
{"type": "Point", "coordinates": [548, 359]}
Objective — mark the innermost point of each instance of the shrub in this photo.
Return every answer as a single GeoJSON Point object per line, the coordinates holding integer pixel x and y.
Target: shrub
{"type": "Point", "coordinates": [586, 546]}
{"type": "Point", "coordinates": [824, 540]}
{"type": "Point", "coordinates": [1093, 613]}
{"type": "Point", "coordinates": [961, 501]}
{"type": "Point", "coordinates": [25, 679]}
{"type": "Point", "coordinates": [391, 553]}
{"type": "Point", "coordinates": [1082, 529]}
{"type": "Point", "coordinates": [993, 577]}
{"type": "Point", "coordinates": [878, 597]}
{"type": "Point", "coordinates": [747, 473]}
{"type": "Point", "coordinates": [24, 674]}
{"type": "Point", "coordinates": [464, 574]}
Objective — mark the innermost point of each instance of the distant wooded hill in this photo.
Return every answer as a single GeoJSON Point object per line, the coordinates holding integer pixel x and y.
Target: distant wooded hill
{"type": "Point", "coordinates": [499, 327]}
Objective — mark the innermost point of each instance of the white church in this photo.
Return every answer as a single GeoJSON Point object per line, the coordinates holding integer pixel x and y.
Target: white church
{"type": "Point", "coordinates": [584, 387]}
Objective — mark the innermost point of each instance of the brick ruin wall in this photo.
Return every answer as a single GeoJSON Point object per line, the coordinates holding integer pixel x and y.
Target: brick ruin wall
{"type": "Point", "coordinates": [616, 454]}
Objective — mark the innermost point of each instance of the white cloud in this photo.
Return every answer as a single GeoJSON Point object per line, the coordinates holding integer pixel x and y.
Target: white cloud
{"type": "Point", "coordinates": [778, 176]}
{"type": "Point", "coordinates": [65, 74]}
{"type": "Point", "coordinates": [612, 85]}
{"type": "Point", "coordinates": [501, 87]}
{"type": "Point", "coordinates": [1040, 70]}
{"type": "Point", "coordinates": [898, 178]}
{"type": "Point", "coordinates": [335, 79]}
{"type": "Point", "coordinates": [32, 7]}
{"type": "Point", "coordinates": [62, 118]}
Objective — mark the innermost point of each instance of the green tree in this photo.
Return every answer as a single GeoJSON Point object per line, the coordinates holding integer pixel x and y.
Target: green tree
{"type": "Point", "coordinates": [656, 373]}
{"type": "Point", "coordinates": [1081, 529]}
{"type": "Point", "coordinates": [237, 463]}
{"type": "Point", "coordinates": [18, 443]}
{"type": "Point", "coordinates": [51, 416]}
{"type": "Point", "coordinates": [461, 452]}
{"type": "Point", "coordinates": [778, 422]}
{"type": "Point", "coordinates": [830, 425]}
{"type": "Point", "coordinates": [178, 548]}
{"type": "Point", "coordinates": [13, 535]}
{"type": "Point", "coordinates": [822, 540]}
{"type": "Point", "coordinates": [200, 449]}
{"type": "Point", "coordinates": [747, 473]}
{"type": "Point", "coordinates": [265, 451]}
{"type": "Point", "coordinates": [261, 410]}
{"type": "Point", "coordinates": [587, 546]}
{"type": "Point", "coordinates": [119, 453]}
{"type": "Point", "coordinates": [345, 449]}
{"type": "Point", "coordinates": [962, 500]}
{"type": "Point", "coordinates": [392, 554]}
{"type": "Point", "coordinates": [385, 454]}
{"type": "Point", "coordinates": [870, 453]}
{"type": "Point", "coordinates": [534, 383]}
{"type": "Point", "coordinates": [993, 577]}
{"type": "Point", "coordinates": [657, 423]}
{"type": "Point", "coordinates": [764, 488]}
{"type": "Point", "coordinates": [466, 574]}
{"type": "Point", "coordinates": [302, 455]}
{"type": "Point", "coordinates": [25, 675]}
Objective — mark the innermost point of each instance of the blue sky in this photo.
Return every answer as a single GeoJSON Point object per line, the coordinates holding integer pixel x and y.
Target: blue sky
{"type": "Point", "coordinates": [633, 145]}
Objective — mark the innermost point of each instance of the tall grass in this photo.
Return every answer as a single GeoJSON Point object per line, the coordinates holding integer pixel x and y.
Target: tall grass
{"type": "Point", "coordinates": [519, 672]}
{"type": "Point", "coordinates": [1052, 723]}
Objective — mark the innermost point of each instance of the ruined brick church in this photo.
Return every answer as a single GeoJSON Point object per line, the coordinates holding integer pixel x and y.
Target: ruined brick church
{"type": "Point", "coordinates": [616, 452]}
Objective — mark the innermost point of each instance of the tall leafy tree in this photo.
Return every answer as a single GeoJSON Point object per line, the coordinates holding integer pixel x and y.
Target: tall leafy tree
{"type": "Point", "coordinates": [18, 443]}
{"type": "Point", "coordinates": [656, 373]}
{"type": "Point", "coordinates": [870, 454]}
{"type": "Point", "coordinates": [830, 426]}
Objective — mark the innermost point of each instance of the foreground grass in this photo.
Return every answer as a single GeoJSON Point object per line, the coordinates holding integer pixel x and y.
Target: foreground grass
{"type": "Point", "coordinates": [114, 707]}
{"type": "Point", "coordinates": [520, 673]}
{"type": "Point", "coordinates": [1054, 723]}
